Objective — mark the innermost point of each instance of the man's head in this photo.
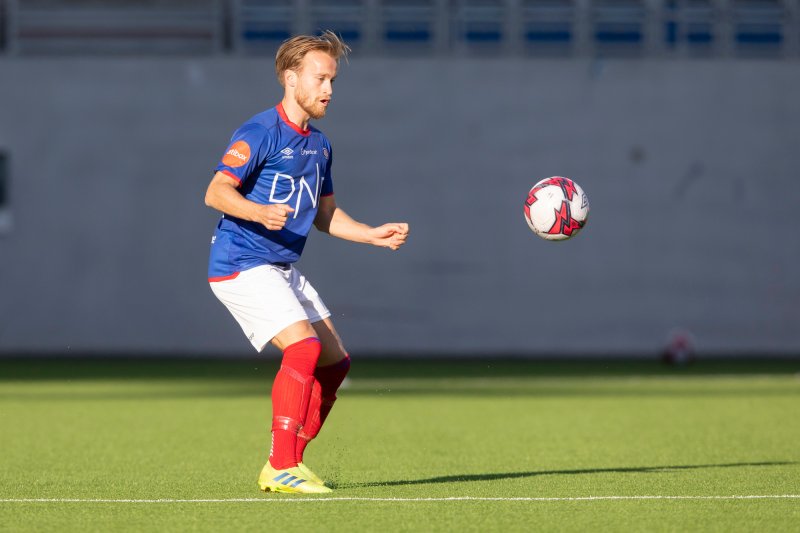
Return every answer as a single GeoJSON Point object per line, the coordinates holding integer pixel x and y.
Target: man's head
{"type": "Point", "coordinates": [306, 67]}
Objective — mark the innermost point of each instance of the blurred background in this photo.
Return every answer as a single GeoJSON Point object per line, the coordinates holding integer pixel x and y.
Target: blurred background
{"type": "Point", "coordinates": [679, 118]}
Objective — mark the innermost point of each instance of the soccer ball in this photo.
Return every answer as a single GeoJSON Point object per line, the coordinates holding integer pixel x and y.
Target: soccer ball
{"type": "Point", "coordinates": [556, 208]}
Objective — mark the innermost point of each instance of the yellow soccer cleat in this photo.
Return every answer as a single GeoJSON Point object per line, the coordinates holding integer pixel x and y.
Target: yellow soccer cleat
{"type": "Point", "coordinates": [289, 480]}
{"type": "Point", "coordinates": [309, 475]}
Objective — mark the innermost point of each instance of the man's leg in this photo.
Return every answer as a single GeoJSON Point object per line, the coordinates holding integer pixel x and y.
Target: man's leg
{"type": "Point", "coordinates": [292, 390]}
{"type": "Point", "coordinates": [333, 365]}
{"type": "Point", "coordinates": [263, 301]}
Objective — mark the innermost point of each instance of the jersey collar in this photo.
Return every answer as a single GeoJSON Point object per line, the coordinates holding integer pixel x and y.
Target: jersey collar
{"type": "Point", "coordinates": [295, 127]}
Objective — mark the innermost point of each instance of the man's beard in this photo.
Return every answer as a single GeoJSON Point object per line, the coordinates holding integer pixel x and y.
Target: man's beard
{"type": "Point", "coordinates": [314, 109]}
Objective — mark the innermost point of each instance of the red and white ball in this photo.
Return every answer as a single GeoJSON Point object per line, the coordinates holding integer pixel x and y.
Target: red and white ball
{"type": "Point", "coordinates": [556, 208]}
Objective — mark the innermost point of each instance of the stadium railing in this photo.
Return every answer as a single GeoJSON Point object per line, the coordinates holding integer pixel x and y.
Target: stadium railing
{"type": "Point", "coordinates": [559, 28]}
{"type": "Point", "coordinates": [261, 25]}
{"type": "Point", "coordinates": [124, 27]}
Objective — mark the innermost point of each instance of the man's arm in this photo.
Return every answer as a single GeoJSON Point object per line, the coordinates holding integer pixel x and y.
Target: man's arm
{"type": "Point", "coordinates": [333, 220]}
{"type": "Point", "coordinates": [223, 195]}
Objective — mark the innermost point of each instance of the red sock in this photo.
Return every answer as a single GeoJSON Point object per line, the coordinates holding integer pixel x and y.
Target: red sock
{"type": "Point", "coordinates": [312, 420]}
{"type": "Point", "coordinates": [328, 380]}
{"type": "Point", "coordinates": [290, 395]}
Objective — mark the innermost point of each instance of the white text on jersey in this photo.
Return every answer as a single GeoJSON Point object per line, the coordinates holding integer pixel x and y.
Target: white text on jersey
{"type": "Point", "coordinates": [301, 185]}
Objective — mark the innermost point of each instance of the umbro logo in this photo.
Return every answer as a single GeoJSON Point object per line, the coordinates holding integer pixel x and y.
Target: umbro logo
{"type": "Point", "coordinates": [287, 153]}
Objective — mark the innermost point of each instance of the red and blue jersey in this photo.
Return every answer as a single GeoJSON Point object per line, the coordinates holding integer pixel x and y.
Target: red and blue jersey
{"type": "Point", "coordinates": [275, 162]}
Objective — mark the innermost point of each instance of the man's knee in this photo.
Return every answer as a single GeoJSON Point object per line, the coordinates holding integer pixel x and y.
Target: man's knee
{"type": "Point", "coordinates": [294, 333]}
{"type": "Point", "coordinates": [332, 349]}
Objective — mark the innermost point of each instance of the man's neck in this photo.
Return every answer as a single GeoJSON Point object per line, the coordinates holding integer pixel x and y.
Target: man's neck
{"type": "Point", "coordinates": [295, 113]}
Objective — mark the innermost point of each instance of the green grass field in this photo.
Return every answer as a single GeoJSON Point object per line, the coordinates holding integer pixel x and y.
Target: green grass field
{"type": "Point", "coordinates": [410, 446]}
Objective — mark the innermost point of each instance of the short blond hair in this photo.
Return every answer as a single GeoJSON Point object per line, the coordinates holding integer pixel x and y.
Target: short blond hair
{"type": "Point", "coordinates": [291, 53]}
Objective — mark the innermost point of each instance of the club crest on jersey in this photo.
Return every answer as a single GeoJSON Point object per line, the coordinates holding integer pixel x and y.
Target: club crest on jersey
{"type": "Point", "coordinates": [287, 153]}
{"type": "Point", "coordinates": [325, 152]}
{"type": "Point", "coordinates": [237, 155]}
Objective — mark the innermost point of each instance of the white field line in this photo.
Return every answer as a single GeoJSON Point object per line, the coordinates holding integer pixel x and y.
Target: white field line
{"type": "Point", "coordinates": [402, 500]}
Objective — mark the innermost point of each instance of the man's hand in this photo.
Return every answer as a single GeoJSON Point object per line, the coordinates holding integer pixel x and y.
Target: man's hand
{"type": "Point", "coordinates": [222, 194]}
{"type": "Point", "coordinates": [392, 235]}
{"type": "Point", "coordinates": [273, 216]}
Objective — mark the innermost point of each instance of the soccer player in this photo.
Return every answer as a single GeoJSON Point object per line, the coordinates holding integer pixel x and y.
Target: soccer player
{"type": "Point", "coordinates": [272, 183]}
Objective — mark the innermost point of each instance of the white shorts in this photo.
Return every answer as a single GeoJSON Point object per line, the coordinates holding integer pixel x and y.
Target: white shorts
{"type": "Point", "coordinates": [267, 299]}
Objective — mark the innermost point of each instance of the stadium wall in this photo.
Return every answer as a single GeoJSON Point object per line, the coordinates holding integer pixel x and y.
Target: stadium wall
{"type": "Point", "coordinates": [690, 166]}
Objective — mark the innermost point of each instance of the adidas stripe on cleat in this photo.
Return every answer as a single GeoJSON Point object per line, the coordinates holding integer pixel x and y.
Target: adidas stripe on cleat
{"type": "Point", "coordinates": [309, 474]}
{"type": "Point", "coordinates": [288, 480]}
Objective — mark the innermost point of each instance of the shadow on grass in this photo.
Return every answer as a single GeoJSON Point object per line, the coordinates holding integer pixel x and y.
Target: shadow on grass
{"type": "Point", "coordinates": [182, 379]}
{"type": "Point", "coordinates": [74, 392]}
{"type": "Point", "coordinates": [584, 471]}
{"type": "Point", "coordinates": [264, 367]}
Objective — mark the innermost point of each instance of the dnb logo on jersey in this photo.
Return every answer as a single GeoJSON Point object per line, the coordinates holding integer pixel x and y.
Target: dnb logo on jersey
{"type": "Point", "coordinates": [238, 154]}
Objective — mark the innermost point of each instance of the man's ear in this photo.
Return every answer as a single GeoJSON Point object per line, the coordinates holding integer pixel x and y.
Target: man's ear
{"type": "Point", "coordinates": [290, 78]}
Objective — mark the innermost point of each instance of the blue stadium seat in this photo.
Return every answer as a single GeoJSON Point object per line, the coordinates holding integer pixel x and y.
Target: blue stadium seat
{"type": "Point", "coordinates": [408, 22]}
{"type": "Point", "coordinates": [690, 24]}
{"type": "Point", "coordinates": [480, 23]}
{"type": "Point", "coordinates": [264, 24]}
{"type": "Point", "coordinates": [548, 26]}
{"type": "Point", "coordinates": [346, 18]}
{"type": "Point", "coordinates": [758, 26]}
{"type": "Point", "coordinates": [618, 25]}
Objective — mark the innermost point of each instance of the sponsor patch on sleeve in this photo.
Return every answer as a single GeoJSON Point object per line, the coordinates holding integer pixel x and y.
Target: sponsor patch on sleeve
{"type": "Point", "coordinates": [238, 154]}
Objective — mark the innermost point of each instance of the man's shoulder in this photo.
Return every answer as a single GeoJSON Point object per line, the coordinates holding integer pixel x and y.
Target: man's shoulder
{"type": "Point", "coordinates": [265, 121]}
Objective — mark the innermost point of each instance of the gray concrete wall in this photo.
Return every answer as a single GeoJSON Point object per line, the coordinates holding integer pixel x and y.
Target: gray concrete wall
{"type": "Point", "coordinates": [690, 166]}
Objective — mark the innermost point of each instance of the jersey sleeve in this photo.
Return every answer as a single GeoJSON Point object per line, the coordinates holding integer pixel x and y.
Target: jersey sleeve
{"type": "Point", "coordinates": [247, 151]}
{"type": "Point", "coordinates": [327, 182]}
